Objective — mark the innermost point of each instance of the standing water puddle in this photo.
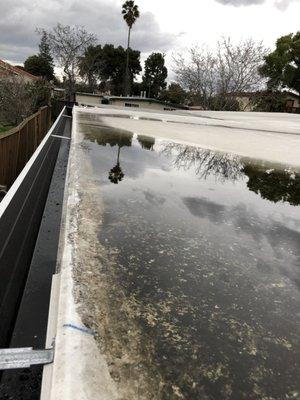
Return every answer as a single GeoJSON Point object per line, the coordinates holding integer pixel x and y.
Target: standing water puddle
{"type": "Point", "coordinates": [202, 270]}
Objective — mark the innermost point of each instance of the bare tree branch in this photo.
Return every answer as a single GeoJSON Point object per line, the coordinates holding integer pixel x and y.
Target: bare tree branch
{"type": "Point", "coordinates": [67, 44]}
{"type": "Point", "coordinates": [231, 69]}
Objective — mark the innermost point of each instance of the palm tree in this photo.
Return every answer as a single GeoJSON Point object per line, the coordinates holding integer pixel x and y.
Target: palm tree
{"type": "Point", "coordinates": [130, 13]}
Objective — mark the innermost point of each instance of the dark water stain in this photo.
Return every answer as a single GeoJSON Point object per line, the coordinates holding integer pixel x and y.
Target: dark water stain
{"type": "Point", "coordinates": [207, 245]}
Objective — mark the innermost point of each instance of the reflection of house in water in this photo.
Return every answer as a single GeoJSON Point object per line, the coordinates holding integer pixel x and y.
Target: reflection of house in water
{"type": "Point", "coordinates": [147, 142]}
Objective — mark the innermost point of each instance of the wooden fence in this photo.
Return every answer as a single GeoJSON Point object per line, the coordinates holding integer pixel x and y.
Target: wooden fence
{"type": "Point", "coordinates": [18, 144]}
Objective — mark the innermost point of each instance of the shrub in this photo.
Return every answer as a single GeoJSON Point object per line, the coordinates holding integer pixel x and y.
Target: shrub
{"type": "Point", "coordinates": [19, 99]}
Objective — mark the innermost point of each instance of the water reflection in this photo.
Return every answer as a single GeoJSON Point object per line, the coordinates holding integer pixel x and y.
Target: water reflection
{"type": "Point", "coordinates": [205, 162]}
{"type": "Point", "coordinates": [104, 135]}
{"type": "Point", "coordinates": [113, 137]}
{"type": "Point", "coordinates": [202, 276]}
{"type": "Point", "coordinates": [147, 142]}
{"type": "Point", "coordinates": [271, 184]}
{"type": "Point", "coordinates": [275, 185]}
{"type": "Point", "coordinates": [116, 174]}
{"type": "Point", "coordinates": [203, 208]}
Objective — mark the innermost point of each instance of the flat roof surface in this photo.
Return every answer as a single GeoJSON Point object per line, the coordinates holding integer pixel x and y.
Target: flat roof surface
{"type": "Point", "coordinates": [179, 263]}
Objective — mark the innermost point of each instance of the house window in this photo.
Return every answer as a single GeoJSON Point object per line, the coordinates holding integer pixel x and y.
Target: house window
{"type": "Point", "coordinates": [131, 105]}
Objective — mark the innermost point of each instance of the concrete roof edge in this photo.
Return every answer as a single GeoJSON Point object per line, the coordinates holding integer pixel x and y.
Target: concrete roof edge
{"type": "Point", "coordinates": [90, 94]}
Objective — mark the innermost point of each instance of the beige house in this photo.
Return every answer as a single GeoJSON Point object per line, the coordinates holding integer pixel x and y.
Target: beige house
{"type": "Point", "coordinates": [292, 102]}
{"type": "Point", "coordinates": [247, 101]}
{"type": "Point", "coordinates": [142, 102]}
{"type": "Point", "coordinates": [89, 99]}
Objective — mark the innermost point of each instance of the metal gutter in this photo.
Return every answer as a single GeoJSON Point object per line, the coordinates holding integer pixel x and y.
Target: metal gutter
{"type": "Point", "coordinates": [79, 371]}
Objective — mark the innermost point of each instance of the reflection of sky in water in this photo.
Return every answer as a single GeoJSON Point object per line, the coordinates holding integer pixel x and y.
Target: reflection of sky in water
{"type": "Point", "coordinates": [216, 249]}
{"type": "Point", "coordinates": [225, 210]}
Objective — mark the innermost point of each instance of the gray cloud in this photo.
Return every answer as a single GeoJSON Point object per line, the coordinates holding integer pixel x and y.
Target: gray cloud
{"type": "Point", "coordinates": [238, 3]}
{"type": "Point", "coordinates": [283, 4]}
{"type": "Point", "coordinates": [204, 208]}
{"type": "Point", "coordinates": [280, 4]}
{"type": "Point", "coordinates": [19, 19]}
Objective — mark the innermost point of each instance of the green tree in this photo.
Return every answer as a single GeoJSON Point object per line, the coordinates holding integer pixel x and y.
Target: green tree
{"type": "Point", "coordinates": [90, 66]}
{"type": "Point", "coordinates": [130, 13]}
{"type": "Point", "coordinates": [136, 88]}
{"type": "Point", "coordinates": [154, 79]}
{"type": "Point", "coordinates": [174, 94]}
{"type": "Point", "coordinates": [19, 99]}
{"type": "Point", "coordinates": [270, 101]}
{"type": "Point", "coordinates": [42, 63]}
{"type": "Point", "coordinates": [113, 66]}
{"type": "Point", "coordinates": [39, 66]}
{"type": "Point", "coordinates": [282, 66]}
{"type": "Point", "coordinates": [40, 92]}
{"type": "Point", "coordinates": [44, 48]}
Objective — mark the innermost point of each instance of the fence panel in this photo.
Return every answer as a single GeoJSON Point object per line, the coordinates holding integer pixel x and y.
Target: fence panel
{"type": "Point", "coordinates": [18, 144]}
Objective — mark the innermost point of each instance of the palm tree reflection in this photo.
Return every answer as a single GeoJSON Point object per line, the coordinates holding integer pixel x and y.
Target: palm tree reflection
{"type": "Point", "coordinates": [104, 135]}
{"type": "Point", "coordinates": [116, 174]}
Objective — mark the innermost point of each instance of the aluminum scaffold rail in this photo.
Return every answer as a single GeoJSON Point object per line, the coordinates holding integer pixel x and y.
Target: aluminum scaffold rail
{"type": "Point", "coordinates": [24, 357]}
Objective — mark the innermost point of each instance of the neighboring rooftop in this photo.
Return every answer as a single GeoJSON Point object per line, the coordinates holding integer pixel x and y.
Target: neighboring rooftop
{"type": "Point", "coordinates": [7, 69]}
{"type": "Point", "coordinates": [126, 101]}
{"type": "Point", "coordinates": [145, 100]}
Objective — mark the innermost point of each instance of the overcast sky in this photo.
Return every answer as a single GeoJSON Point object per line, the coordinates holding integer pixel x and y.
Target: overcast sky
{"type": "Point", "coordinates": [165, 25]}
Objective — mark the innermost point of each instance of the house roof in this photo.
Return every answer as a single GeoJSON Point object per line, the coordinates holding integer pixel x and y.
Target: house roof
{"type": "Point", "coordinates": [90, 94]}
{"type": "Point", "coordinates": [7, 69]}
{"type": "Point", "coordinates": [291, 94]}
{"type": "Point", "coordinates": [252, 94]}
